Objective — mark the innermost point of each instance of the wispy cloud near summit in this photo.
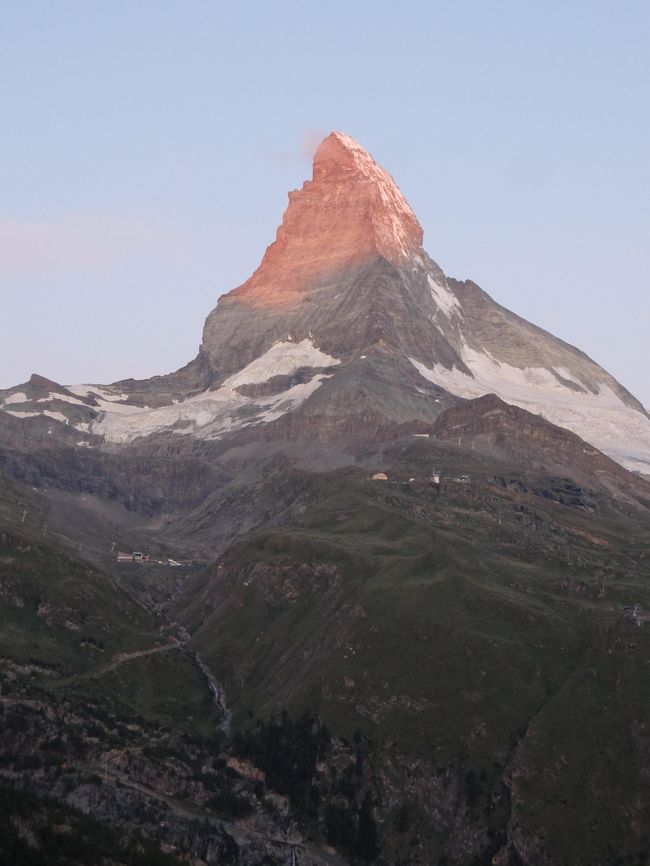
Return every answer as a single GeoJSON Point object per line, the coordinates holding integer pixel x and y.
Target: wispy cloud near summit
{"type": "Point", "coordinates": [304, 152]}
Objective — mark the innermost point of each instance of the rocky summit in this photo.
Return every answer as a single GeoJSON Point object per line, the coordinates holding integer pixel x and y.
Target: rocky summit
{"type": "Point", "coordinates": [364, 582]}
{"type": "Point", "coordinates": [350, 214]}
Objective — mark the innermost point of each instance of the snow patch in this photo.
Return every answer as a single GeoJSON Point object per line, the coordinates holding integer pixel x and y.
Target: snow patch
{"type": "Point", "coordinates": [444, 299]}
{"type": "Point", "coordinates": [97, 392]}
{"type": "Point", "coordinates": [65, 398]}
{"type": "Point", "coordinates": [18, 397]}
{"type": "Point", "coordinates": [281, 359]}
{"type": "Point", "coordinates": [57, 416]}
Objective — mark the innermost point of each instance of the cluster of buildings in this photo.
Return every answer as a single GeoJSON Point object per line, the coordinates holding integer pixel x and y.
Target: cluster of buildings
{"type": "Point", "coordinates": [135, 556]}
{"type": "Point", "coordinates": [434, 479]}
{"type": "Point", "coordinates": [138, 556]}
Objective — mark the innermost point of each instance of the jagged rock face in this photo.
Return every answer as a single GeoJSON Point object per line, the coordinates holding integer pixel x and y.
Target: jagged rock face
{"type": "Point", "coordinates": [376, 307]}
{"type": "Point", "coordinates": [503, 430]}
{"type": "Point", "coordinates": [343, 299]}
{"type": "Point", "coordinates": [350, 214]}
{"type": "Point", "coordinates": [348, 252]}
{"type": "Point", "coordinates": [348, 271]}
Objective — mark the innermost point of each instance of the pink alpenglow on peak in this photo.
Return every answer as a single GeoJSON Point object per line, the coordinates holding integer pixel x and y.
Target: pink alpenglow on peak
{"type": "Point", "coordinates": [350, 213]}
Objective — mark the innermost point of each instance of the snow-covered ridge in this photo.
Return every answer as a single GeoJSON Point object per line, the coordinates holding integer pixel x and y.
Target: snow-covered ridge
{"type": "Point", "coordinates": [601, 418]}
{"type": "Point", "coordinates": [209, 415]}
{"type": "Point", "coordinates": [213, 413]}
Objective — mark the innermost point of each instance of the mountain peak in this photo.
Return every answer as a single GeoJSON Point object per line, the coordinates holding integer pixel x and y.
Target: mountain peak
{"type": "Point", "coordinates": [340, 158]}
{"type": "Point", "coordinates": [350, 213]}
{"type": "Point", "coordinates": [342, 153]}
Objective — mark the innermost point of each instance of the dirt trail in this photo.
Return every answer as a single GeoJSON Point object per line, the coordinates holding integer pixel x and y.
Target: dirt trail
{"type": "Point", "coordinates": [127, 657]}
{"type": "Point", "coordinates": [120, 659]}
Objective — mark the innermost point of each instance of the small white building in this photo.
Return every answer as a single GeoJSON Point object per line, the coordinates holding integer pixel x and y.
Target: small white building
{"type": "Point", "coordinates": [380, 476]}
{"type": "Point", "coordinates": [633, 613]}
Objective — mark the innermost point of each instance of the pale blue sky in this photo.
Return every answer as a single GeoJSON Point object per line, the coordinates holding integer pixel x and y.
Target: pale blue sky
{"type": "Point", "coordinates": [147, 149]}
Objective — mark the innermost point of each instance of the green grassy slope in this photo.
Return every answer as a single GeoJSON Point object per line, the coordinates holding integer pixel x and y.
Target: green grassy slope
{"type": "Point", "coordinates": [69, 630]}
{"type": "Point", "coordinates": [60, 612]}
{"type": "Point", "coordinates": [481, 629]}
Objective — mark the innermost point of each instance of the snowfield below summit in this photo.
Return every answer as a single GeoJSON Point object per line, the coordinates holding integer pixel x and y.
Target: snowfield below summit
{"type": "Point", "coordinates": [214, 413]}
{"type": "Point", "coordinates": [602, 419]}
{"type": "Point", "coordinates": [281, 359]}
